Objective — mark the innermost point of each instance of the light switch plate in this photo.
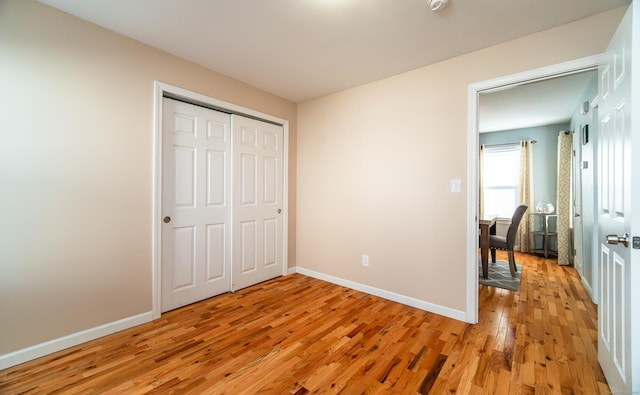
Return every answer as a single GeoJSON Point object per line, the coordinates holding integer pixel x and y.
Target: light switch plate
{"type": "Point", "coordinates": [455, 185]}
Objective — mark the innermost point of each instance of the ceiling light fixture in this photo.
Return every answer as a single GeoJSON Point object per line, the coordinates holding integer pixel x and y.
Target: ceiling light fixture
{"type": "Point", "coordinates": [437, 5]}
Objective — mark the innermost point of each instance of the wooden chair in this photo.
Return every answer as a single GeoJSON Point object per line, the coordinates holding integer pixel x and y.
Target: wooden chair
{"type": "Point", "coordinates": [507, 243]}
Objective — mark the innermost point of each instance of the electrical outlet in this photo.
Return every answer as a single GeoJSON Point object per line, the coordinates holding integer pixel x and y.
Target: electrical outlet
{"type": "Point", "coordinates": [365, 260]}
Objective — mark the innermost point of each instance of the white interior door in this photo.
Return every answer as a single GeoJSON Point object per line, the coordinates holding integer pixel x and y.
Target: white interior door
{"type": "Point", "coordinates": [617, 353]}
{"type": "Point", "coordinates": [258, 165]}
{"type": "Point", "coordinates": [196, 198]}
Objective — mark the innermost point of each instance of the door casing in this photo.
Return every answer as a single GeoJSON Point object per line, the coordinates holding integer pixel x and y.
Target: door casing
{"type": "Point", "coordinates": [160, 90]}
{"type": "Point", "coordinates": [474, 90]}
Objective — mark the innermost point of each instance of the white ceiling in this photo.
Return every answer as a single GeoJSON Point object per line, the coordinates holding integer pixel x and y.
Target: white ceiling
{"type": "Point", "coordinates": [547, 102]}
{"type": "Point", "coordinates": [302, 49]}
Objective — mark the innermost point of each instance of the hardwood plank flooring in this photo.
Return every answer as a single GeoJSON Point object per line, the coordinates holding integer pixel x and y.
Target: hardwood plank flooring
{"type": "Point", "coordinates": [298, 335]}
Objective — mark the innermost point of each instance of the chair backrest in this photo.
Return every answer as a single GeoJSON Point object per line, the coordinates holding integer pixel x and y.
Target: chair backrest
{"type": "Point", "coordinates": [513, 228]}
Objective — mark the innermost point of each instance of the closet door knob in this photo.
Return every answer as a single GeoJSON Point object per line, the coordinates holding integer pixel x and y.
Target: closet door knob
{"type": "Point", "coordinates": [166, 219]}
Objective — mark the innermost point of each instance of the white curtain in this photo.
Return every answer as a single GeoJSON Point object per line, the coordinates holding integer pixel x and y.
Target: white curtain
{"type": "Point", "coordinates": [480, 183]}
{"type": "Point", "coordinates": [525, 241]}
{"type": "Point", "coordinates": [563, 197]}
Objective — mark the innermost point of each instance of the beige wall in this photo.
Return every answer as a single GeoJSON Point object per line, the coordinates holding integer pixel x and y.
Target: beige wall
{"type": "Point", "coordinates": [375, 164]}
{"type": "Point", "coordinates": [76, 145]}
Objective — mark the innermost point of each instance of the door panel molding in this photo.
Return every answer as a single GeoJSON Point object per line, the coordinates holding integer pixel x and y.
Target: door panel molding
{"type": "Point", "coordinates": [192, 180]}
{"type": "Point", "coordinates": [258, 192]}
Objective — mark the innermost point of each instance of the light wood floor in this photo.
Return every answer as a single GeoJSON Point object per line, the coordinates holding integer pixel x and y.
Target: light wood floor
{"type": "Point", "coordinates": [297, 335]}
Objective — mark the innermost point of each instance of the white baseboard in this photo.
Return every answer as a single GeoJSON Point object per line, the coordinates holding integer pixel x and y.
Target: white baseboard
{"type": "Point", "coordinates": [51, 346]}
{"type": "Point", "coordinates": [407, 300]}
{"type": "Point", "coordinates": [587, 287]}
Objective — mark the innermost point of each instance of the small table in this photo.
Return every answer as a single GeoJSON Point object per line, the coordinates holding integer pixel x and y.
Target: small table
{"type": "Point", "coordinates": [544, 232]}
{"type": "Point", "coordinates": [487, 227]}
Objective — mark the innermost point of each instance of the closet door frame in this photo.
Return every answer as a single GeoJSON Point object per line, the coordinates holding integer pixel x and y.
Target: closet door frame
{"type": "Point", "coordinates": [161, 90]}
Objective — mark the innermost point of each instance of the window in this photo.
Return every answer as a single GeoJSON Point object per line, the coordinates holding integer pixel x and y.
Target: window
{"type": "Point", "coordinates": [501, 180]}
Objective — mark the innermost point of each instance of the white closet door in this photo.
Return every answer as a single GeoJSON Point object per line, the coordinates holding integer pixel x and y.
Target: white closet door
{"type": "Point", "coordinates": [258, 167]}
{"type": "Point", "coordinates": [196, 198]}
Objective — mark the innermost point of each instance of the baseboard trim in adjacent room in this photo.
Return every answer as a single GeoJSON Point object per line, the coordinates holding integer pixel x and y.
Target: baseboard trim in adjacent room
{"type": "Point", "coordinates": [406, 300]}
{"type": "Point", "coordinates": [587, 288]}
{"type": "Point", "coordinates": [51, 346]}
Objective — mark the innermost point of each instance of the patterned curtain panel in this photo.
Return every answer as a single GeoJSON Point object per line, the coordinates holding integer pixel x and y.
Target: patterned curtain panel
{"type": "Point", "coordinates": [525, 241]}
{"type": "Point", "coordinates": [480, 183]}
{"type": "Point", "coordinates": [563, 197]}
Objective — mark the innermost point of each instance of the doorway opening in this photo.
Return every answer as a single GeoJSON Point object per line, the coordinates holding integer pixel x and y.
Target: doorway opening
{"type": "Point", "coordinates": [503, 86]}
